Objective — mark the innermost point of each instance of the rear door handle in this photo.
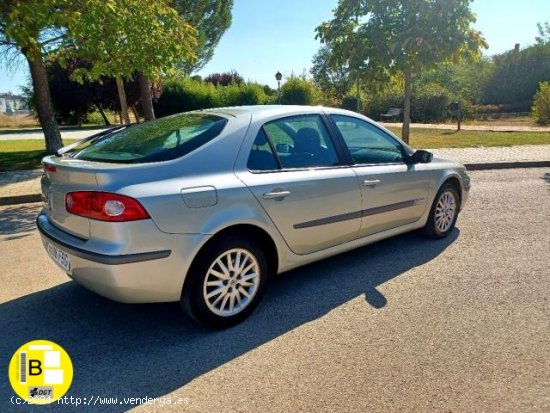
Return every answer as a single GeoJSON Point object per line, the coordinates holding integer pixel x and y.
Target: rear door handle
{"type": "Point", "coordinates": [276, 194]}
{"type": "Point", "coordinates": [371, 182]}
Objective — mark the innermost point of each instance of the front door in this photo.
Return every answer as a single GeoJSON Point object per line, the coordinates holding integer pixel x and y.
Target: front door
{"type": "Point", "coordinates": [394, 193]}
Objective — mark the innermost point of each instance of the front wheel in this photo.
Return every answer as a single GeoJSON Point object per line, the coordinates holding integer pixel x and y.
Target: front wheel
{"type": "Point", "coordinates": [225, 283]}
{"type": "Point", "coordinates": [444, 212]}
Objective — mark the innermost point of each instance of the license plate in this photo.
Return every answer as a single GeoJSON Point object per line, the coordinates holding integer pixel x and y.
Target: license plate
{"type": "Point", "coordinates": [60, 257]}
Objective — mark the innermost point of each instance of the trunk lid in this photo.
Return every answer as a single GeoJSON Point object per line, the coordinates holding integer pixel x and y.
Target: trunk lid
{"type": "Point", "coordinates": [62, 175]}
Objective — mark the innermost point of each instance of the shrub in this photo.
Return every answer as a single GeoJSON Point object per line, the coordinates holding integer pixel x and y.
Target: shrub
{"type": "Point", "coordinates": [95, 118]}
{"type": "Point", "coordinates": [430, 104]}
{"type": "Point", "coordinates": [181, 95]}
{"type": "Point", "coordinates": [379, 102]}
{"type": "Point", "coordinates": [349, 102]}
{"type": "Point", "coordinates": [244, 94]}
{"type": "Point", "coordinates": [299, 91]}
{"type": "Point", "coordinates": [541, 104]}
{"type": "Point", "coordinates": [185, 94]}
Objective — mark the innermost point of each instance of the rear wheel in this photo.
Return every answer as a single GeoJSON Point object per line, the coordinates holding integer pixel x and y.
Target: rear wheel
{"type": "Point", "coordinates": [444, 212]}
{"type": "Point", "coordinates": [225, 283]}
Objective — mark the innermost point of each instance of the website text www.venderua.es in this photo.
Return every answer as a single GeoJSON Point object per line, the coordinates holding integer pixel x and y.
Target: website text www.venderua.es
{"type": "Point", "coordinates": [99, 401]}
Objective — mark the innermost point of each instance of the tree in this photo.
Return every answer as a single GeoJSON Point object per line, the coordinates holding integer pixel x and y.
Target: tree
{"type": "Point", "coordinates": [224, 79]}
{"type": "Point", "coordinates": [516, 76]}
{"type": "Point", "coordinates": [544, 34]}
{"type": "Point", "coordinates": [211, 19]}
{"type": "Point", "coordinates": [120, 37]}
{"type": "Point", "coordinates": [465, 79]}
{"type": "Point", "coordinates": [330, 78]}
{"type": "Point", "coordinates": [73, 101]}
{"type": "Point", "coordinates": [35, 28]}
{"type": "Point", "coordinates": [403, 35]}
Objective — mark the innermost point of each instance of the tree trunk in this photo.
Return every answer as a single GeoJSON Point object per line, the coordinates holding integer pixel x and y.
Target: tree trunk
{"type": "Point", "coordinates": [44, 105]}
{"type": "Point", "coordinates": [357, 96]}
{"type": "Point", "coordinates": [122, 98]}
{"type": "Point", "coordinates": [98, 106]}
{"type": "Point", "coordinates": [135, 113]}
{"type": "Point", "coordinates": [146, 97]}
{"type": "Point", "coordinates": [407, 109]}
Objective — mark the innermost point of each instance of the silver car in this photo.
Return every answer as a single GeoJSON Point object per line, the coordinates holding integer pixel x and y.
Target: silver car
{"type": "Point", "coordinates": [204, 207]}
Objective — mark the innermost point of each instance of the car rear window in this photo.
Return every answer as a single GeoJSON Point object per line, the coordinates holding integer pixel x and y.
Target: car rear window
{"type": "Point", "coordinates": [159, 140]}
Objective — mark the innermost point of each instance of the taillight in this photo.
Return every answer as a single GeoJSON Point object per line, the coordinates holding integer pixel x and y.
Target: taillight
{"type": "Point", "coordinates": [49, 167]}
{"type": "Point", "coordinates": [104, 206]}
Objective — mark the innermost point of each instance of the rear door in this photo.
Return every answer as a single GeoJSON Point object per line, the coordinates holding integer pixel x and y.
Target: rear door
{"type": "Point", "coordinates": [295, 173]}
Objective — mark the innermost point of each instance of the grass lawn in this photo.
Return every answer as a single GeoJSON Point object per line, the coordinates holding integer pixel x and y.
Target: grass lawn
{"type": "Point", "coordinates": [439, 138]}
{"type": "Point", "coordinates": [23, 154]}
{"type": "Point", "coordinates": [26, 154]}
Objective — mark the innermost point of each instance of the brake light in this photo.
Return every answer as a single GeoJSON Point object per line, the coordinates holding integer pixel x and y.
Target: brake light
{"type": "Point", "coordinates": [49, 167]}
{"type": "Point", "coordinates": [104, 206]}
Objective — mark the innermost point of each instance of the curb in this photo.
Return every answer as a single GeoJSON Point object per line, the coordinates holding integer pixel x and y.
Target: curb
{"type": "Point", "coordinates": [506, 165]}
{"type": "Point", "coordinates": [20, 199]}
{"type": "Point", "coordinates": [31, 198]}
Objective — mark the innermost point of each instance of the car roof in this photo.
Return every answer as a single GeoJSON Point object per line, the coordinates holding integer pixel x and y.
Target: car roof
{"type": "Point", "coordinates": [263, 110]}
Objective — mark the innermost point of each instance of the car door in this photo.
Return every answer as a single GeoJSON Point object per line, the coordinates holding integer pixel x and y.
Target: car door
{"type": "Point", "coordinates": [394, 193]}
{"type": "Point", "coordinates": [295, 173]}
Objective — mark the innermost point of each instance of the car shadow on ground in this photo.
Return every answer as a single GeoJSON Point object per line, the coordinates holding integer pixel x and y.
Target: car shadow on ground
{"type": "Point", "coordinates": [121, 350]}
{"type": "Point", "coordinates": [18, 221]}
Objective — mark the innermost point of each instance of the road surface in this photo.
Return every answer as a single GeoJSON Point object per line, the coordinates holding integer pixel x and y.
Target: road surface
{"type": "Point", "coordinates": [407, 324]}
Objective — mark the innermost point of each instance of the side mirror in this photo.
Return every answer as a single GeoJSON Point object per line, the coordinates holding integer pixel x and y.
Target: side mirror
{"type": "Point", "coordinates": [421, 156]}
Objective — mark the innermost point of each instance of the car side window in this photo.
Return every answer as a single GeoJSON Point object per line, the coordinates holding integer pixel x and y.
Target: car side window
{"type": "Point", "coordinates": [302, 142]}
{"type": "Point", "coordinates": [366, 143]}
{"type": "Point", "coordinates": [261, 156]}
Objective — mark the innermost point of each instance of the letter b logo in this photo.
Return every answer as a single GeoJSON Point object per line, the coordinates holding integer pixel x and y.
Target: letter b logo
{"type": "Point", "coordinates": [34, 367]}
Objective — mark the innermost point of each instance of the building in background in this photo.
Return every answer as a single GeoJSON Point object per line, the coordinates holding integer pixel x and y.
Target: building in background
{"type": "Point", "coordinates": [12, 104]}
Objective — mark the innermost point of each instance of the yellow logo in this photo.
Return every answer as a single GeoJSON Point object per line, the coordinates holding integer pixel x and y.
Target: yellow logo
{"type": "Point", "coordinates": [41, 372]}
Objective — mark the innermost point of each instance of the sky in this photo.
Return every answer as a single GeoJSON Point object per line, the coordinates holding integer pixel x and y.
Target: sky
{"type": "Point", "coordinates": [267, 36]}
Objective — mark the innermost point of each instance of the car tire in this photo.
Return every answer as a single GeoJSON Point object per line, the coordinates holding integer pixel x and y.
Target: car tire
{"type": "Point", "coordinates": [225, 283]}
{"type": "Point", "coordinates": [444, 212]}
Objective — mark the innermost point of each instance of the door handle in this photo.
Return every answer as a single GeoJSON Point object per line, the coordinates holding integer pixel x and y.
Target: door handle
{"type": "Point", "coordinates": [276, 194]}
{"type": "Point", "coordinates": [371, 182]}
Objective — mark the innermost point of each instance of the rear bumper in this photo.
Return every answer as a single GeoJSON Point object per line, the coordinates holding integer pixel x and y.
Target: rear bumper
{"type": "Point", "coordinates": [129, 277]}
{"type": "Point", "coordinates": [46, 229]}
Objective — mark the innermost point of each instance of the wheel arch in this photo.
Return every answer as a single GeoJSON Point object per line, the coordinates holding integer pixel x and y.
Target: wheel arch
{"type": "Point", "coordinates": [450, 177]}
{"type": "Point", "coordinates": [454, 181]}
{"type": "Point", "coordinates": [251, 231]}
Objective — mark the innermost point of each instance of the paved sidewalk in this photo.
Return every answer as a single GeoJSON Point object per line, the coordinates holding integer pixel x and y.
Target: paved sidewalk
{"type": "Point", "coordinates": [39, 135]}
{"type": "Point", "coordinates": [466, 127]}
{"type": "Point", "coordinates": [18, 187]}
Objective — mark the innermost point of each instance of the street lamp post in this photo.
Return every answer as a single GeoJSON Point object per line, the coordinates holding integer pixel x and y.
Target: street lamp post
{"type": "Point", "coordinates": [278, 77]}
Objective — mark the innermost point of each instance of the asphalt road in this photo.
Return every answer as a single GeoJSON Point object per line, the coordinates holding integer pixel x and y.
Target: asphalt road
{"type": "Point", "coordinates": [407, 324]}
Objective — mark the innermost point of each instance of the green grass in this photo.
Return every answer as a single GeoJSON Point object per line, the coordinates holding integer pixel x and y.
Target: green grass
{"type": "Point", "coordinates": [23, 154]}
{"type": "Point", "coordinates": [438, 138]}
{"type": "Point", "coordinates": [27, 154]}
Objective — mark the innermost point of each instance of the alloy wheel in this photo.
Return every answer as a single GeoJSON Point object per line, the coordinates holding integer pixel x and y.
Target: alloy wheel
{"type": "Point", "coordinates": [231, 282]}
{"type": "Point", "coordinates": [445, 211]}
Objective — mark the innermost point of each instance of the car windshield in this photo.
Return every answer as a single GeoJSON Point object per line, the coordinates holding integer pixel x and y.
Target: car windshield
{"type": "Point", "coordinates": [159, 140]}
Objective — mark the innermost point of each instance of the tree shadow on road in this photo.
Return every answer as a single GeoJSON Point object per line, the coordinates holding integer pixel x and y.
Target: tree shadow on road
{"type": "Point", "coordinates": [18, 221]}
{"type": "Point", "coordinates": [121, 350]}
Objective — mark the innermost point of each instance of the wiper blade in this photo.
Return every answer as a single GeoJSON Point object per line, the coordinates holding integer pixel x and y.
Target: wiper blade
{"type": "Point", "coordinates": [70, 147]}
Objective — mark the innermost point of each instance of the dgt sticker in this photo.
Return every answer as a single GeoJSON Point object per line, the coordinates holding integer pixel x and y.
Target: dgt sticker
{"type": "Point", "coordinates": [41, 372]}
